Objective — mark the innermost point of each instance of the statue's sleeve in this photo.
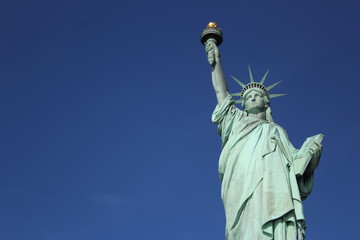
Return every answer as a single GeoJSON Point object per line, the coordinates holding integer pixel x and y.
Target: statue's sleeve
{"type": "Point", "coordinates": [224, 116]}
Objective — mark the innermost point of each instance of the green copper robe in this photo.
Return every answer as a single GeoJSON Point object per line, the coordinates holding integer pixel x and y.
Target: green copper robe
{"type": "Point", "coordinates": [261, 194]}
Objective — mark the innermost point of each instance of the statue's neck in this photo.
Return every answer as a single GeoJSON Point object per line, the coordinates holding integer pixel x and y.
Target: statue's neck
{"type": "Point", "coordinates": [260, 115]}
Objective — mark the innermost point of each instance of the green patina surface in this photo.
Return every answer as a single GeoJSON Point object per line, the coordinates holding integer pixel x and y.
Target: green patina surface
{"type": "Point", "coordinates": [264, 178]}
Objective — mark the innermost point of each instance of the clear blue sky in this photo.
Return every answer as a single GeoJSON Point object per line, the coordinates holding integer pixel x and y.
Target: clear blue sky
{"type": "Point", "coordinates": [105, 129]}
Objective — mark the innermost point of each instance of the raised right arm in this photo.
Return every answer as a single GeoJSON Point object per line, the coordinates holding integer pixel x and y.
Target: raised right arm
{"type": "Point", "coordinates": [218, 79]}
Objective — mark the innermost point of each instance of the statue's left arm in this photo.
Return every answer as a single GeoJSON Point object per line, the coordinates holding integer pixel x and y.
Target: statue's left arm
{"type": "Point", "coordinates": [315, 152]}
{"type": "Point", "coordinates": [303, 162]}
{"type": "Point", "coordinates": [308, 157]}
{"type": "Point", "coordinates": [305, 178]}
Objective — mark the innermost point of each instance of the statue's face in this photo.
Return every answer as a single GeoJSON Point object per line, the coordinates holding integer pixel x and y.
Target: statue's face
{"type": "Point", "coordinates": [255, 102]}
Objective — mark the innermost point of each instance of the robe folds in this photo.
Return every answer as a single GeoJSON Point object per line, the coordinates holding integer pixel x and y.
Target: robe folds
{"type": "Point", "coordinates": [261, 194]}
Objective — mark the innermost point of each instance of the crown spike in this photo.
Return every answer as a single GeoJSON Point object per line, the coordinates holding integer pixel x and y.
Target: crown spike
{"type": "Point", "coordinates": [238, 81]}
{"type": "Point", "coordinates": [238, 101]}
{"type": "Point", "coordinates": [250, 74]}
{"type": "Point", "coordinates": [272, 86]}
{"type": "Point", "coordinates": [236, 94]}
{"type": "Point", "coordinates": [276, 95]}
{"type": "Point", "coordinates": [264, 77]}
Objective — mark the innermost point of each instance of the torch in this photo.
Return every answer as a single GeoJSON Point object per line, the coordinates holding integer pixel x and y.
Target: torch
{"type": "Point", "coordinates": [214, 34]}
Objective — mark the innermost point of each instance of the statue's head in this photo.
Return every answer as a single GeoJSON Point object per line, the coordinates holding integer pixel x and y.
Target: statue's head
{"type": "Point", "coordinates": [254, 95]}
{"type": "Point", "coordinates": [255, 101]}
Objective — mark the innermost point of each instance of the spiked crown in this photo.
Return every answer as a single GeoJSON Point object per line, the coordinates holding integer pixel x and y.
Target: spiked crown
{"type": "Point", "coordinates": [255, 85]}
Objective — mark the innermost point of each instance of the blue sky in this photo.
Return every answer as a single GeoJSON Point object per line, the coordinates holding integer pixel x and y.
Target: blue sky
{"type": "Point", "coordinates": [106, 105]}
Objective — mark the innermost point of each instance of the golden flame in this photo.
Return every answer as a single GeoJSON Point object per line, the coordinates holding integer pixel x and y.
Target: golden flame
{"type": "Point", "coordinates": [212, 25]}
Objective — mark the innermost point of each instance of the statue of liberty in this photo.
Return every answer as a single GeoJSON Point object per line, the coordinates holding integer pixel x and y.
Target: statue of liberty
{"type": "Point", "coordinates": [264, 178]}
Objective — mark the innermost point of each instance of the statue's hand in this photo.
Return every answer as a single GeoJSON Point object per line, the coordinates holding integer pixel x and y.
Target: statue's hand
{"type": "Point", "coordinates": [212, 52]}
{"type": "Point", "coordinates": [315, 151]}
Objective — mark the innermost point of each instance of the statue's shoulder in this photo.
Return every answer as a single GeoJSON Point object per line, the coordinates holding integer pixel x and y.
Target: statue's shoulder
{"type": "Point", "coordinates": [277, 126]}
{"type": "Point", "coordinates": [234, 109]}
{"type": "Point", "coordinates": [281, 130]}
